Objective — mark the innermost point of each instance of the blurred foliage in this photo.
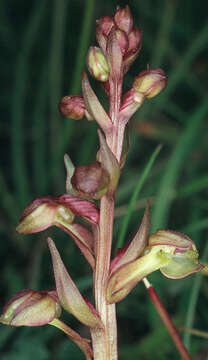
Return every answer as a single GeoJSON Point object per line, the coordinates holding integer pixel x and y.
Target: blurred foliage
{"type": "Point", "coordinates": [43, 48]}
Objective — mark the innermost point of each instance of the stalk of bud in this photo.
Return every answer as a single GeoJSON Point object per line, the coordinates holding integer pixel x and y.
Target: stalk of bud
{"type": "Point", "coordinates": [150, 82]}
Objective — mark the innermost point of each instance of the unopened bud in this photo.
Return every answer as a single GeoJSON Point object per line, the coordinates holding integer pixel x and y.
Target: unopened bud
{"type": "Point", "coordinates": [72, 107]}
{"type": "Point", "coordinates": [134, 38]}
{"type": "Point", "coordinates": [31, 308]}
{"type": "Point", "coordinates": [122, 40]}
{"type": "Point", "coordinates": [90, 181]}
{"type": "Point", "coordinates": [47, 211]}
{"type": "Point", "coordinates": [42, 213]}
{"type": "Point", "coordinates": [97, 64]}
{"type": "Point", "coordinates": [123, 19]}
{"type": "Point", "coordinates": [104, 25]}
{"type": "Point", "coordinates": [150, 82]}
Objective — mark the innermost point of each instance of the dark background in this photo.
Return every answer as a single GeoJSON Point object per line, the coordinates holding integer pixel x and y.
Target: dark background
{"type": "Point", "coordinates": [43, 49]}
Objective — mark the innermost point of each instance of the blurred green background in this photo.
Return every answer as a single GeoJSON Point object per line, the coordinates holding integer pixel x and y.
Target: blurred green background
{"type": "Point", "coordinates": [43, 49]}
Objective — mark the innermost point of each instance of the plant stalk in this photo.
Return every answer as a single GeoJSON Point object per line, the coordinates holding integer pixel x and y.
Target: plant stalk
{"type": "Point", "coordinates": [104, 341]}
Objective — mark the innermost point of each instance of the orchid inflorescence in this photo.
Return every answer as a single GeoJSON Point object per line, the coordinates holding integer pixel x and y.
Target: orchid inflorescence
{"type": "Point", "coordinates": [173, 253]}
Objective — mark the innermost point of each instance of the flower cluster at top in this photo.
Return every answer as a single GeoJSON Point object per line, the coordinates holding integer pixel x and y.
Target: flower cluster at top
{"type": "Point", "coordinates": [174, 254]}
{"type": "Point", "coordinates": [119, 45]}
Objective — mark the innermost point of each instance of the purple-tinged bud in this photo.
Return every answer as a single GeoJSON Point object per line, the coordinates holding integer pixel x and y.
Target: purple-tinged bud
{"type": "Point", "coordinates": [135, 39]}
{"type": "Point", "coordinates": [72, 107]}
{"type": "Point", "coordinates": [97, 64]}
{"type": "Point", "coordinates": [31, 308]}
{"type": "Point", "coordinates": [104, 25]}
{"type": "Point", "coordinates": [90, 181]}
{"type": "Point", "coordinates": [150, 82]}
{"type": "Point", "coordinates": [42, 213]}
{"type": "Point", "coordinates": [123, 19]}
{"type": "Point", "coordinates": [122, 40]}
{"type": "Point", "coordinates": [47, 211]}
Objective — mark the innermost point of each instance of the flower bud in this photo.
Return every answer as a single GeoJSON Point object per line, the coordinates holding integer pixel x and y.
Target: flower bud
{"type": "Point", "coordinates": [42, 213]}
{"type": "Point", "coordinates": [97, 64]}
{"type": "Point", "coordinates": [123, 19]}
{"type": "Point", "coordinates": [150, 82]}
{"type": "Point", "coordinates": [47, 211]}
{"type": "Point", "coordinates": [31, 308]}
{"type": "Point", "coordinates": [104, 25]}
{"type": "Point", "coordinates": [122, 40]}
{"type": "Point", "coordinates": [90, 181]}
{"type": "Point", "coordinates": [135, 39]}
{"type": "Point", "coordinates": [72, 107]}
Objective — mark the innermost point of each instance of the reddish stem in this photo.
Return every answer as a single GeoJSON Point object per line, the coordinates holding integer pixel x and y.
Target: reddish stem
{"type": "Point", "coordinates": [167, 321]}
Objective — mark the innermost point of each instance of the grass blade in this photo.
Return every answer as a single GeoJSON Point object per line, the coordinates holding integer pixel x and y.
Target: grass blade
{"type": "Point", "coordinates": [135, 194]}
